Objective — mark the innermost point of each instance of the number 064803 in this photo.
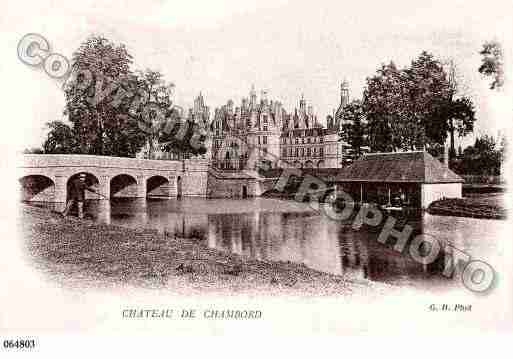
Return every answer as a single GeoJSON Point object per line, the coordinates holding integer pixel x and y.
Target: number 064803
{"type": "Point", "coordinates": [19, 344]}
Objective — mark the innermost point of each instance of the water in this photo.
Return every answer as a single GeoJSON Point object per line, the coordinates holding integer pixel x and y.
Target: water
{"type": "Point", "coordinates": [278, 230]}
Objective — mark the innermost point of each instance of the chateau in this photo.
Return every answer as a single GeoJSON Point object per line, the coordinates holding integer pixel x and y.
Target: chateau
{"type": "Point", "coordinates": [243, 135]}
{"type": "Point", "coordinates": [261, 130]}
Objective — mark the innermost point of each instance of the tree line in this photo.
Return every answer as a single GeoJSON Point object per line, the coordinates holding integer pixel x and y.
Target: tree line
{"type": "Point", "coordinates": [420, 107]}
{"type": "Point", "coordinates": [410, 108]}
{"type": "Point", "coordinates": [118, 110]}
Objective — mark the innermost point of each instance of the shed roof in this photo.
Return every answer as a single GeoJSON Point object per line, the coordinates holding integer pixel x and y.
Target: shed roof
{"type": "Point", "coordinates": [415, 166]}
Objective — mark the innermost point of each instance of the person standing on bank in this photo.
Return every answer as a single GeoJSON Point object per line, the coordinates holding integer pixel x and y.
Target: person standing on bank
{"type": "Point", "coordinates": [77, 189]}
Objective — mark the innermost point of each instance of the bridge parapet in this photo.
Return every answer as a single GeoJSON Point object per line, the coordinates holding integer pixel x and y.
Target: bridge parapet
{"type": "Point", "coordinates": [196, 165]}
{"type": "Point", "coordinates": [65, 160]}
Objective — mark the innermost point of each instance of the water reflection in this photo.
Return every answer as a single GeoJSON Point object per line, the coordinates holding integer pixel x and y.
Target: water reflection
{"type": "Point", "coordinates": [275, 230]}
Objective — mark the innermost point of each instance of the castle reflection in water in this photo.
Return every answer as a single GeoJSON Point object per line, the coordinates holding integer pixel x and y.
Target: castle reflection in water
{"type": "Point", "coordinates": [275, 230]}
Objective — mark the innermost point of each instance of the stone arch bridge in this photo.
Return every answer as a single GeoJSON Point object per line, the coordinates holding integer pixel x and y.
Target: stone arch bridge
{"type": "Point", "coordinates": [46, 178]}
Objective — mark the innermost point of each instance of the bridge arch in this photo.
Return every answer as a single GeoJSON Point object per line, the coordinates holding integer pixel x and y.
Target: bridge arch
{"type": "Point", "coordinates": [320, 164]}
{"type": "Point", "coordinates": [91, 180]}
{"type": "Point", "coordinates": [158, 186]}
{"type": "Point", "coordinates": [37, 188]}
{"type": "Point", "coordinates": [123, 185]}
{"type": "Point", "coordinates": [309, 164]}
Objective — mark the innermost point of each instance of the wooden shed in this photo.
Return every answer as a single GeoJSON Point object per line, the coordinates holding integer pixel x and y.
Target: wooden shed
{"type": "Point", "coordinates": [406, 179]}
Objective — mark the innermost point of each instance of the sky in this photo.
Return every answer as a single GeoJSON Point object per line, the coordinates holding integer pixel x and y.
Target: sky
{"type": "Point", "coordinates": [287, 48]}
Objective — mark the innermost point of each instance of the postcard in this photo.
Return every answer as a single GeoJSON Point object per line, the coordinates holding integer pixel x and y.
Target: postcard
{"type": "Point", "coordinates": [270, 167]}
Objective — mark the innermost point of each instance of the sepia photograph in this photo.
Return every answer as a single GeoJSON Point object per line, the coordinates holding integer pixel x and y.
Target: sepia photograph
{"type": "Point", "coordinates": [259, 167]}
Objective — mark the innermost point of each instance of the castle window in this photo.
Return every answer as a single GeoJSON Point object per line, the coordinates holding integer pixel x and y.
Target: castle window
{"type": "Point", "coordinates": [308, 140]}
{"type": "Point", "coordinates": [290, 152]}
{"type": "Point", "coordinates": [297, 152]}
{"type": "Point", "coordinates": [265, 119]}
{"type": "Point", "coordinates": [284, 152]}
{"type": "Point", "coordinates": [265, 127]}
{"type": "Point", "coordinates": [321, 151]}
{"type": "Point", "coordinates": [308, 153]}
{"type": "Point", "coordinates": [321, 139]}
{"type": "Point", "coordinates": [302, 151]}
{"type": "Point", "coordinates": [258, 137]}
{"type": "Point", "coordinates": [297, 140]}
{"type": "Point", "coordinates": [264, 140]}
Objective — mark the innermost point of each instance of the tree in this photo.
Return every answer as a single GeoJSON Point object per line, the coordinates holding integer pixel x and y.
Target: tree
{"type": "Point", "coordinates": [503, 147]}
{"type": "Point", "coordinates": [492, 63]}
{"type": "Point", "coordinates": [483, 158]}
{"type": "Point", "coordinates": [460, 112]}
{"type": "Point", "coordinates": [182, 137]}
{"type": "Point", "coordinates": [415, 107]}
{"type": "Point", "coordinates": [60, 139]}
{"type": "Point", "coordinates": [157, 94]}
{"type": "Point", "coordinates": [113, 110]}
{"type": "Point", "coordinates": [379, 107]}
{"type": "Point", "coordinates": [354, 127]}
{"type": "Point", "coordinates": [429, 97]}
{"type": "Point", "coordinates": [96, 105]}
{"type": "Point", "coordinates": [460, 115]}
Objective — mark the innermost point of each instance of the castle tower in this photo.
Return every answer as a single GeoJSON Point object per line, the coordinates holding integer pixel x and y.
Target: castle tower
{"type": "Point", "coordinates": [252, 96]}
{"type": "Point", "coordinates": [302, 104]}
{"type": "Point", "coordinates": [344, 93]}
{"type": "Point", "coordinates": [199, 103]}
{"type": "Point", "coordinates": [200, 113]}
{"type": "Point", "coordinates": [344, 101]}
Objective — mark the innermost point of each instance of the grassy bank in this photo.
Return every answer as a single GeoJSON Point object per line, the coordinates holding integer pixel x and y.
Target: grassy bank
{"type": "Point", "coordinates": [487, 207]}
{"type": "Point", "coordinates": [83, 253]}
